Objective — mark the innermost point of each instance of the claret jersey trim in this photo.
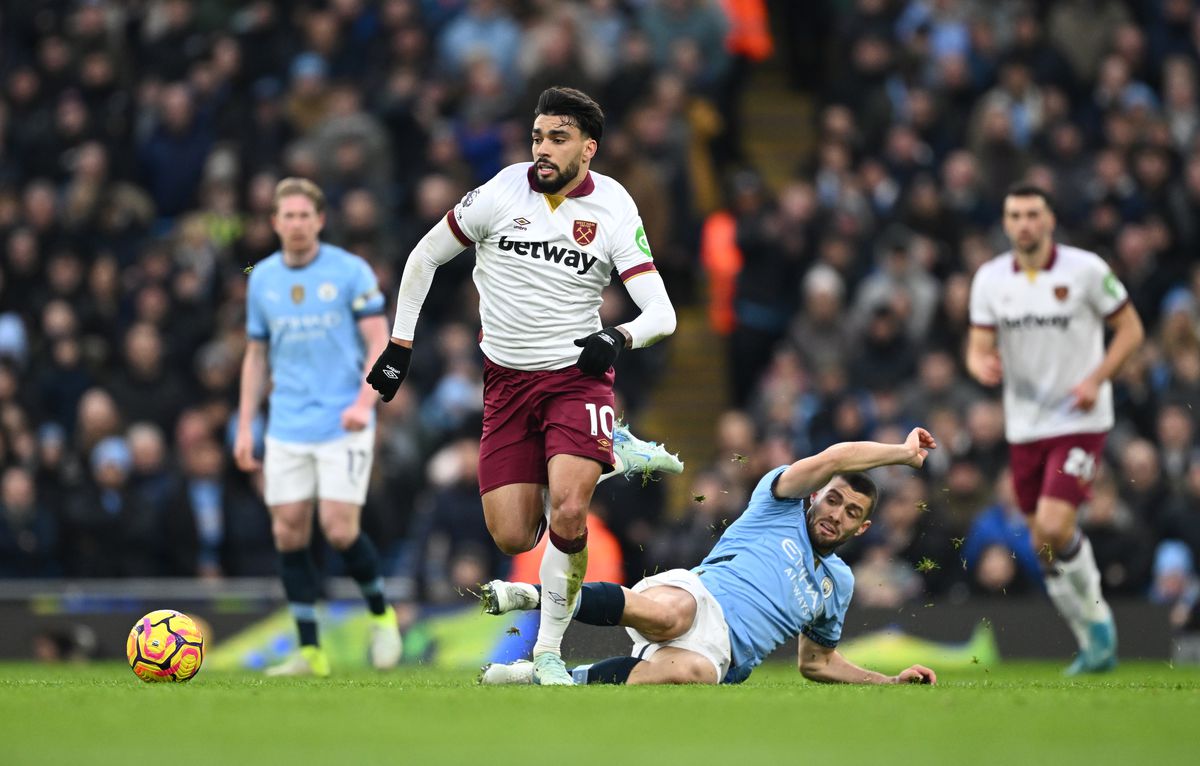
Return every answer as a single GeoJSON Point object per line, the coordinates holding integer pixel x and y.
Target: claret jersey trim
{"type": "Point", "coordinates": [585, 187]}
{"type": "Point", "coordinates": [641, 268]}
{"type": "Point", "coordinates": [462, 238]}
{"type": "Point", "coordinates": [1016, 264]}
{"type": "Point", "coordinates": [1117, 310]}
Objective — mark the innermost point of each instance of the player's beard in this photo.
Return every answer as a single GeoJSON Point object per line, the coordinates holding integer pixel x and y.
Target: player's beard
{"type": "Point", "coordinates": [555, 183]}
{"type": "Point", "coordinates": [824, 544]}
{"type": "Point", "coordinates": [1029, 249]}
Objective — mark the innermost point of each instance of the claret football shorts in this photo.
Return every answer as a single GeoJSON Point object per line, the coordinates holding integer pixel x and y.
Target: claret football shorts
{"type": "Point", "coordinates": [531, 415]}
{"type": "Point", "coordinates": [1061, 467]}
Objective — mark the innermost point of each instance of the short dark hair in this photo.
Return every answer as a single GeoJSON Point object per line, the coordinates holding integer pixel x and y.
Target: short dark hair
{"type": "Point", "coordinates": [579, 106]}
{"type": "Point", "coordinates": [1023, 189]}
{"type": "Point", "coordinates": [862, 484]}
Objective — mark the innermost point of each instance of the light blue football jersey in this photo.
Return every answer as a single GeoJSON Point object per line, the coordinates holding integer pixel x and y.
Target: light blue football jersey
{"type": "Point", "coordinates": [770, 583]}
{"type": "Point", "coordinates": [308, 317]}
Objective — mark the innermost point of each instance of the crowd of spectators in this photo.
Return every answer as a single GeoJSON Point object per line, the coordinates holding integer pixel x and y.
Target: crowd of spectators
{"type": "Point", "coordinates": [846, 307]}
{"type": "Point", "coordinates": [140, 143]}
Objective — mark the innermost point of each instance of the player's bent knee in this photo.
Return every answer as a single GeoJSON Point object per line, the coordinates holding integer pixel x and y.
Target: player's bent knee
{"type": "Point", "coordinates": [569, 510]}
{"type": "Point", "coordinates": [341, 538]}
{"type": "Point", "coordinates": [513, 541]}
{"type": "Point", "coordinates": [678, 670]}
{"type": "Point", "coordinates": [1053, 534]}
{"type": "Point", "coordinates": [702, 672]}
{"type": "Point", "coordinates": [289, 537]}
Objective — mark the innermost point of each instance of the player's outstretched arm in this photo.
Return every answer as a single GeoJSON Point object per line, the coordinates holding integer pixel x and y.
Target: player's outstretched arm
{"type": "Point", "coordinates": [438, 246]}
{"type": "Point", "coordinates": [810, 474]}
{"type": "Point", "coordinates": [827, 665]}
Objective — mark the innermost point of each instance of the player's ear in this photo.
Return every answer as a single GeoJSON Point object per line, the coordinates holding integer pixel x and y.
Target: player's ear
{"type": "Point", "coordinates": [862, 530]}
{"type": "Point", "coordinates": [589, 149]}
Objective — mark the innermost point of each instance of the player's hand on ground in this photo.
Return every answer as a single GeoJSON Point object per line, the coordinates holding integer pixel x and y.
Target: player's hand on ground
{"type": "Point", "coordinates": [917, 674]}
{"type": "Point", "coordinates": [600, 350]}
{"type": "Point", "coordinates": [243, 451]}
{"type": "Point", "coordinates": [1084, 395]}
{"type": "Point", "coordinates": [389, 370]}
{"type": "Point", "coordinates": [356, 417]}
{"type": "Point", "coordinates": [987, 369]}
{"type": "Point", "coordinates": [919, 441]}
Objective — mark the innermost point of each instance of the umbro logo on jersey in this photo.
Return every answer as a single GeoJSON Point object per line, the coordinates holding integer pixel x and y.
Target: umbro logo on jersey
{"type": "Point", "coordinates": [581, 262]}
{"type": "Point", "coordinates": [522, 221]}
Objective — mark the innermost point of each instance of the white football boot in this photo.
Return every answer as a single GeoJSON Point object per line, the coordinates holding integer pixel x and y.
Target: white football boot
{"type": "Point", "coordinates": [641, 457]}
{"type": "Point", "coordinates": [550, 670]}
{"type": "Point", "coordinates": [500, 597]}
{"type": "Point", "coordinates": [500, 674]}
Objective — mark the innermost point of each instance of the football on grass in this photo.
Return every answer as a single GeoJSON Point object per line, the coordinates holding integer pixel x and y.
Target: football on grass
{"type": "Point", "coordinates": [165, 645]}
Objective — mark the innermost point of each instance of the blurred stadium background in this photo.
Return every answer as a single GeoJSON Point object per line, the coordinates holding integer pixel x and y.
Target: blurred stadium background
{"type": "Point", "coordinates": [818, 180]}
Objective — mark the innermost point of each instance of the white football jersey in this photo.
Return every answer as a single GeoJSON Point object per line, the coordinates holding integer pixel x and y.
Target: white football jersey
{"type": "Point", "coordinates": [1050, 332]}
{"type": "Point", "coordinates": [542, 261]}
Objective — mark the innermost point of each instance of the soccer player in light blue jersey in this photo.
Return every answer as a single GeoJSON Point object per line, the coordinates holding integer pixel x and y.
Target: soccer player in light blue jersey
{"type": "Point", "coordinates": [314, 314]}
{"type": "Point", "coordinates": [772, 576]}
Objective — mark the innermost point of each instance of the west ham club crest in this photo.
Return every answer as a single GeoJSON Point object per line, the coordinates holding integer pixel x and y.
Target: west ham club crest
{"type": "Point", "coordinates": [584, 232]}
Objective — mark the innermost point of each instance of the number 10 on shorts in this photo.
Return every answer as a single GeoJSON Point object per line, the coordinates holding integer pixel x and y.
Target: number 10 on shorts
{"type": "Point", "coordinates": [601, 418]}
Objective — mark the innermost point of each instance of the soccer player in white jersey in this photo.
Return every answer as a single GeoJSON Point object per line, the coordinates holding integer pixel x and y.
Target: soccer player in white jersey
{"type": "Point", "coordinates": [773, 576]}
{"type": "Point", "coordinates": [548, 235]}
{"type": "Point", "coordinates": [314, 315]}
{"type": "Point", "coordinates": [1038, 315]}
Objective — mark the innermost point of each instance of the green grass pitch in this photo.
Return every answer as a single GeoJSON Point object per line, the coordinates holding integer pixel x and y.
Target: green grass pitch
{"type": "Point", "coordinates": [1021, 714]}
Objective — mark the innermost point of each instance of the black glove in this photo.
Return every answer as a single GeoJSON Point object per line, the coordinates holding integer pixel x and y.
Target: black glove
{"type": "Point", "coordinates": [600, 350]}
{"type": "Point", "coordinates": [389, 370]}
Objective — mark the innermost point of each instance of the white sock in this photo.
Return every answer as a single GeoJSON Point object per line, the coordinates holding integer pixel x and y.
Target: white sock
{"type": "Point", "coordinates": [1084, 577]}
{"type": "Point", "coordinates": [562, 576]}
{"type": "Point", "coordinates": [1066, 599]}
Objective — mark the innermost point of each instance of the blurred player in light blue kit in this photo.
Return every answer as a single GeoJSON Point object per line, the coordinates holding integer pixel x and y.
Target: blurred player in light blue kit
{"type": "Point", "coordinates": [772, 576]}
{"type": "Point", "coordinates": [314, 314]}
